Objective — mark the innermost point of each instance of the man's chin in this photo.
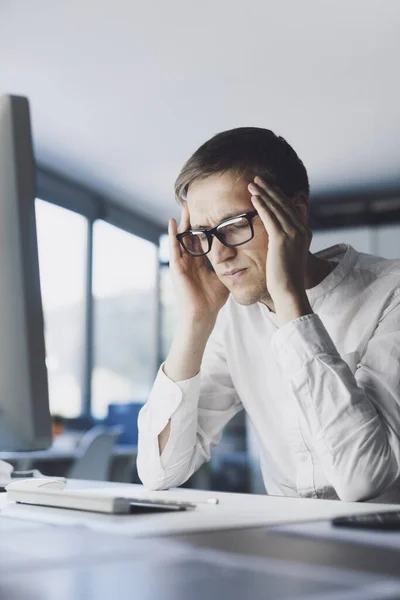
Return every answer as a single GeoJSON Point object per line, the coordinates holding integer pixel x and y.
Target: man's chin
{"type": "Point", "coordinates": [248, 297]}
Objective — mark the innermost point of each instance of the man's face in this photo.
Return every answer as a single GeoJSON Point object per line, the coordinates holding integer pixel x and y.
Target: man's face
{"type": "Point", "coordinates": [214, 199]}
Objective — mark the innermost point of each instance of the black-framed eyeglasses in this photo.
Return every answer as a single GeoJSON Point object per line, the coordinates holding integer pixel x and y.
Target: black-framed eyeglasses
{"type": "Point", "coordinates": [231, 232]}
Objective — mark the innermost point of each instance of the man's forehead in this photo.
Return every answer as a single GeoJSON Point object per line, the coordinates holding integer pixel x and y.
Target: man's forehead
{"type": "Point", "coordinates": [217, 198]}
{"type": "Point", "coordinates": [204, 221]}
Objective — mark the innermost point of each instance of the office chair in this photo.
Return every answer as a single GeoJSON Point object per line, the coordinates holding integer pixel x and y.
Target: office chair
{"type": "Point", "coordinates": [94, 454]}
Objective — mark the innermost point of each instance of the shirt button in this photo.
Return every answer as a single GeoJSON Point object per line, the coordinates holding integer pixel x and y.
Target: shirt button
{"type": "Point", "coordinates": [304, 458]}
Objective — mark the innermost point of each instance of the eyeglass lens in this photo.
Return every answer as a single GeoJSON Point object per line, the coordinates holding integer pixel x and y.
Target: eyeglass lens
{"type": "Point", "coordinates": [234, 232]}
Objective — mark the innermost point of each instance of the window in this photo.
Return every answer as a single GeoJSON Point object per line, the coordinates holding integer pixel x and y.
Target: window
{"type": "Point", "coordinates": [62, 236]}
{"type": "Point", "coordinates": [168, 300]}
{"type": "Point", "coordinates": [125, 317]}
{"type": "Point", "coordinates": [361, 238]}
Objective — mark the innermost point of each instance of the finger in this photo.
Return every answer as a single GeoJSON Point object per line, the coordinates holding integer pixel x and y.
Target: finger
{"type": "Point", "coordinates": [175, 251]}
{"type": "Point", "coordinates": [275, 192]}
{"type": "Point", "coordinates": [267, 206]}
{"type": "Point", "coordinates": [282, 208]}
{"type": "Point", "coordinates": [184, 225]}
{"type": "Point", "coordinates": [279, 197]}
{"type": "Point", "coordinates": [268, 218]}
{"type": "Point", "coordinates": [262, 188]}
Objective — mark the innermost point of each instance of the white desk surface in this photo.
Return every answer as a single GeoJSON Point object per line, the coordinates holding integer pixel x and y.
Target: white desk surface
{"type": "Point", "coordinates": [233, 511]}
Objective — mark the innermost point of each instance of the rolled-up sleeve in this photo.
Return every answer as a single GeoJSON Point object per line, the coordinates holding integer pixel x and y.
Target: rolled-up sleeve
{"type": "Point", "coordinates": [353, 420]}
{"type": "Point", "coordinates": [198, 408]}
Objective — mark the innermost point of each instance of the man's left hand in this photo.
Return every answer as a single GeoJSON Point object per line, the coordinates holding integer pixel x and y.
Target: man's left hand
{"type": "Point", "coordinates": [288, 244]}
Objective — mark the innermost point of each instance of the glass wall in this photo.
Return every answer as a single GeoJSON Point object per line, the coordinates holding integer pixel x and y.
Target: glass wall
{"type": "Point", "coordinates": [168, 300]}
{"type": "Point", "coordinates": [62, 237]}
{"type": "Point", "coordinates": [125, 275]}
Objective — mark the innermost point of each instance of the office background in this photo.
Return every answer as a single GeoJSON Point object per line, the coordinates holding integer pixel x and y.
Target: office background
{"type": "Point", "coordinates": [121, 94]}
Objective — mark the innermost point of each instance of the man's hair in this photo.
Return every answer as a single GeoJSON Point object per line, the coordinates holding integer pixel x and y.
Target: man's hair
{"type": "Point", "coordinates": [248, 151]}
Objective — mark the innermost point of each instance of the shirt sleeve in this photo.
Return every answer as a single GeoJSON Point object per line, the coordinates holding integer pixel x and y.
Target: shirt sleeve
{"type": "Point", "coordinates": [352, 419]}
{"type": "Point", "coordinates": [199, 408]}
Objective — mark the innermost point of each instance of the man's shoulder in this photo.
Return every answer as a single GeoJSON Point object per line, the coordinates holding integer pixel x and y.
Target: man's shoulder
{"type": "Point", "coordinates": [376, 279]}
{"type": "Point", "coordinates": [379, 267]}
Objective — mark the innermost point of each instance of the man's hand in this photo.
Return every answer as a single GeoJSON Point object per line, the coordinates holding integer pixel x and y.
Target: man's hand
{"type": "Point", "coordinates": [200, 293]}
{"type": "Point", "coordinates": [288, 244]}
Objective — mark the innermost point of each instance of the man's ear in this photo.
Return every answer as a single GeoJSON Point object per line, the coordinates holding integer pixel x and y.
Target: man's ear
{"type": "Point", "coordinates": [302, 205]}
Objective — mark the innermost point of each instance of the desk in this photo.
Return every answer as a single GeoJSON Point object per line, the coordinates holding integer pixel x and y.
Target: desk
{"type": "Point", "coordinates": [210, 552]}
{"type": "Point", "coordinates": [234, 511]}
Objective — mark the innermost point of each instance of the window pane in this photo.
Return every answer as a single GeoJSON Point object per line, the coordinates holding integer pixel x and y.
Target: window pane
{"type": "Point", "coordinates": [387, 241]}
{"type": "Point", "coordinates": [168, 301]}
{"type": "Point", "coordinates": [62, 238]}
{"type": "Point", "coordinates": [124, 288]}
{"type": "Point", "coordinates": [359, 237]}
{"type": "Point", "coordinates": [169, 314]}
{"type": "Point", "coordinates": [164, 249]}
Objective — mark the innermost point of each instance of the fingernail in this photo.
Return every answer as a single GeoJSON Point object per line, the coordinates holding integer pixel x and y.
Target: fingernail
{"type": "Point", "coordinates": [252, 188]}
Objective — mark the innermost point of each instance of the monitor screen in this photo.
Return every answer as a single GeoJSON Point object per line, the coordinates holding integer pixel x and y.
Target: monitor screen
{"type": "Point", "coordinates": [25, 422]}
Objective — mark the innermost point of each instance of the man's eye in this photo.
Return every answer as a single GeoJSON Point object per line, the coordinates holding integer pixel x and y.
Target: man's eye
{"type": "Point", "coordinates": [238, 225]}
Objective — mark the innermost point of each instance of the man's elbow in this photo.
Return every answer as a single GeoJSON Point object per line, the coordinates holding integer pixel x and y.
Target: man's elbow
{"type": "Point", "coordinates": [364, 486]}
{"type": "Point", "coordinates": [151, 481]}
{"type": "Point", "coordinates": [160, 479]}
{"type": "Point", "coordinates": [354, 491]}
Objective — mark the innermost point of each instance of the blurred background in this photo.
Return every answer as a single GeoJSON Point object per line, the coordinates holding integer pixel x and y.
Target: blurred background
{"type": "Point", "coordinates": [121, 94]}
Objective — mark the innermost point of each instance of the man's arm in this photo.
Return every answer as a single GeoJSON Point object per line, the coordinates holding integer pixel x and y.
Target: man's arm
{"type": "Point", "coordinates": [353, 420]}
{"type": "Point", "coordinates": [201, 296]}
{"type": "Point", "coordinates": [190, 413]}
{"type": "Point", "coordinates": [184, 359]}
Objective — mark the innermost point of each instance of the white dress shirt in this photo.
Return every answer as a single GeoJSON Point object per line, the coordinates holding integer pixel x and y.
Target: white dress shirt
{"type": "Point", "coordinates": [322, 391]}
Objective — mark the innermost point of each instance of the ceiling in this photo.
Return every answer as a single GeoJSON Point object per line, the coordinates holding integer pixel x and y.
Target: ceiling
{"type": "Point", "coordinates": [122, 92]}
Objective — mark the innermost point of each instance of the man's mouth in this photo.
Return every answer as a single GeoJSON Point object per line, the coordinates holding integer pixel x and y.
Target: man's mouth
{"type": "Point", "coordinates": [235, 273]}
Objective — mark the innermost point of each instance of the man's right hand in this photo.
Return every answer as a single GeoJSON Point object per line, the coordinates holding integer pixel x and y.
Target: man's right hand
{"type": "Point", "coordinates": [200, 293]}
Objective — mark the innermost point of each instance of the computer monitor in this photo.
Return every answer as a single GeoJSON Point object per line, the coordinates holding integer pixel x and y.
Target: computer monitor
{"type": "Point", "coordinates": [25, 422]}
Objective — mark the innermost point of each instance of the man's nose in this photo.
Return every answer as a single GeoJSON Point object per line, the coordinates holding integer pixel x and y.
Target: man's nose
{"type": "Point", "coordinates": [220, 253]}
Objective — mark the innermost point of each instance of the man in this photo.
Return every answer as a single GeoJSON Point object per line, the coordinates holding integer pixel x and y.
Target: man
{"type": "Point", "coordinates": [308, 344]}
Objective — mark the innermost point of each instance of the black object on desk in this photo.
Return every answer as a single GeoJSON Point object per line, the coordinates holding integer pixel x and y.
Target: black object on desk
{"type": "Point", "coordinates": [389, 521]}
{"type": "Point", "coordinates": [150, 506]}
